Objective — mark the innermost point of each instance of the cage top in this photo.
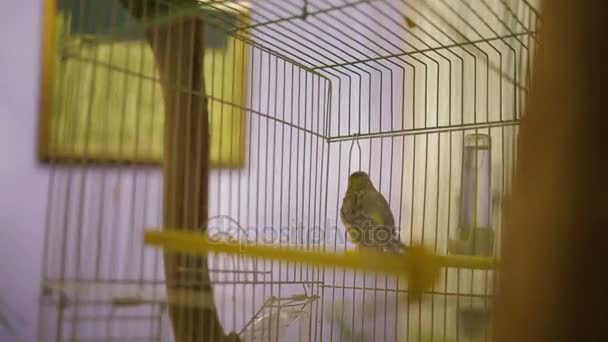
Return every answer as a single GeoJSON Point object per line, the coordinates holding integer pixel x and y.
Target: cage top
{"type": "Point", "coordinates": [335, 35]}
{"type": "Point", "coordinates": [379, 51]}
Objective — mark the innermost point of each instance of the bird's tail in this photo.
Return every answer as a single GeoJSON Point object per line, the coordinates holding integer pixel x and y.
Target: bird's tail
{"type": "Point", "coordinates": [395, 246]}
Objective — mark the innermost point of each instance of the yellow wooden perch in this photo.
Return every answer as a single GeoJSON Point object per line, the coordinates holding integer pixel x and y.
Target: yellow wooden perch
{"type": "Point", "coordinates": [419, 266]}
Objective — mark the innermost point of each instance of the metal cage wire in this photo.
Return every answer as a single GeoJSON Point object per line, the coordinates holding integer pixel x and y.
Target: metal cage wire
{"type": "Point", "coordinates": [396, 89]}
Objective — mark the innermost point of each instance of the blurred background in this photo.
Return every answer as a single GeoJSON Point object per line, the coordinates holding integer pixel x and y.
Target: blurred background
{"type": "Point", "coordinates": [476, 74]}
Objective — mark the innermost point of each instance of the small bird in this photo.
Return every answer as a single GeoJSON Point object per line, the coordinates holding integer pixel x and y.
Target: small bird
{"type": "Point", "coordinates": [367, 216]}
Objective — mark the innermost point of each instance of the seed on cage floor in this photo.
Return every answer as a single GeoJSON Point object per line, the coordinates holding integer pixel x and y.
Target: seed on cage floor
{"type": "Point", "coordinates": [409, 22]}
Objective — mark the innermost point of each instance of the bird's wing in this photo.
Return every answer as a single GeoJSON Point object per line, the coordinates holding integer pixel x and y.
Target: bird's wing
{"type": "Point", "coordinates": [380, 212]}
{"type": "Point", "coordinates": [384, 213]}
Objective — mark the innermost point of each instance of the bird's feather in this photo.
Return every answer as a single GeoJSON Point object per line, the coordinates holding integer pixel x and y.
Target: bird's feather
{"type": "Point", "coordinates": [364, 211]}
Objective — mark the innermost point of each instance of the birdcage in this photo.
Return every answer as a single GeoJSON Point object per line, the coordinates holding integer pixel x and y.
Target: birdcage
{"type": "Point", "coordinates": [243, 121]}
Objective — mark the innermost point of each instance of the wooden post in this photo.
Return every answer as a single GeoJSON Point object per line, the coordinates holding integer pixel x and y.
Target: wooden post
{"type": "Point", "coordinates": [178, 50]}
{"type": "Point", "coordinates": [553, 282]}
{"type": "Point", "coordinates": [178, 53]}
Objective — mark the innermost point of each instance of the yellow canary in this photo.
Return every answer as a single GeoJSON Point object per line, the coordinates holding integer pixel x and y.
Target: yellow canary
{"type": "Point", "coordinates": [367, 216]}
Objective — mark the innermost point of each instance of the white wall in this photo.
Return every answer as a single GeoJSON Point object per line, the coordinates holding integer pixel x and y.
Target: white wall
{"type": "Point", "coordinates": [23, 182]}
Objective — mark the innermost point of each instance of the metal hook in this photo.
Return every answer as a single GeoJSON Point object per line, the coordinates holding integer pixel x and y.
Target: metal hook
{"type": "Point", "coordinates": [350, 153]}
